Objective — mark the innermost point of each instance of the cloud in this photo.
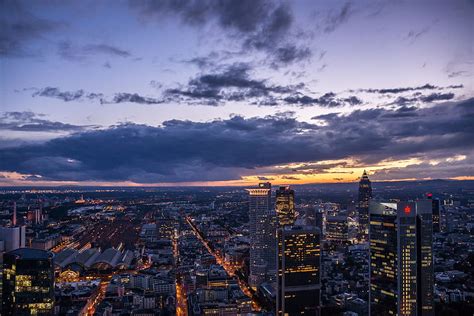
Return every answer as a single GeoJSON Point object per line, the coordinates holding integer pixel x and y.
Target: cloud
{"type": "Point", "coordinates": [460, 73]}
{"type": "Point", "coordinates": [31, 122]}
{"type": "Point", "coordinates": [408, 89]}
{"type": "Point", "coordinates": [418, 97]}
{"type": "Point", "coordinates": [79, 53]}
{"type": "Point", "coordinates": [437, 97]}
{"type": "Point", "coordinates": [334, 20]}
{"type": "Point", "coordinates": [132, 98]}
{"type": "Point", "coordinates": [230, 84]}
{"type": "Point", "coordinates": [226, 149]}
{"type": "Point", "coordinates": [66, 96]}
{"type": "Point", "coordinates": [258, 24]}
{"type": "Point", "coordinates": [329, 99]}
{"type": "Point", "coordinates": [290, 178]}
{"type": "Point", "coordinates": [414, 35]}
{"type": "Point", "coordinates": [265, 178]}
{"type": "Point", "coordinates": [19, 28]}
{"type": "Point", "coordinates": [81, 95]}
{"type": "Point", "coordinates": [290, 53]}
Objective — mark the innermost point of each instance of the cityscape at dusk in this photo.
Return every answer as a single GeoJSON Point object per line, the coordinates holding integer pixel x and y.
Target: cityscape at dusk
{"type": "Point", "coordinates": [237, 157]}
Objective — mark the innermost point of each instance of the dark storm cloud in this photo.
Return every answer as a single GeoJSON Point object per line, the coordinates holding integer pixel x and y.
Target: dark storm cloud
{"type": "Point", "coordinates": [259, 24]}
{"type": "Point", "coordinates": [225, 149]}
{"type": "Point", "coordinates": [19, 27]}
{"type": "Point", "coordinates": [31, 122]}
{"type": "Point", "coordinates": [66, 96]}
{"type": "Point", "coordinates": [408, 89]}
{"type": "Point", "coordinates": [79, 53]}
{"type": "Point", "coordinates": [132, 98]}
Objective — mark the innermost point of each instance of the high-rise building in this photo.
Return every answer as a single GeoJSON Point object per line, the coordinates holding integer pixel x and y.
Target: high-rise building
{"type": "Point", "coordinates": [285, 206]}
{"type": "Point", "coordinates": [299, 273]}
{"type": "Point", "coordinates": [262, 236]}
{"type": "Point", "coordinates": [436, 208]}
{"type": "Point", "coordinates": [337, 228]}
{"type": "Point", "coordinates": [28, 282]}
{"type": "Point", "coordinates": [401, 260]}
{"type": "Point", "coordinates": [365, 194]}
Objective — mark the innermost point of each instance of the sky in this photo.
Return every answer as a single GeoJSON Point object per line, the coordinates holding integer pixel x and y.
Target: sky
{"type": "Point", "coordinates": [221, 92]}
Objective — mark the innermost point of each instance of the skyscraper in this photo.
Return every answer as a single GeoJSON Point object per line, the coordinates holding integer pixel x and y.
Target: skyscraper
{"type": "Point", "coordinates": [262, 235]}
{"type": "Point", "coordinates": [436, 208]}
{"type": "Point", "coordinates": [299, 280]}
{"type": "Point", "coordinates": [28, 282]}
{"type": "Point", "coordinates": [401, 262]}
{"type": "Point", "coordinates": [285, 206]}
{"type": "Point", "coordinates": [365, 194]}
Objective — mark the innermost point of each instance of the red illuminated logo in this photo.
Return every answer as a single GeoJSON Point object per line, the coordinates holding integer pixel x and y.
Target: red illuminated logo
{"type": "Point", "coordinates": [407, 209]}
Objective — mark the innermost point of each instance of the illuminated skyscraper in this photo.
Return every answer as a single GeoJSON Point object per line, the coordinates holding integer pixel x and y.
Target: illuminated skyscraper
{"type": "Point", "coordinates": [285, 206]}
{"type": "Point", "coordinates": [299, 279]}
{"type": "Point", "coordinates": [262, 235]}
{"type": "Point", "coordinates": [365, 194]}
{"type": "Point", "coordinates": [28, 282]}
{"type": "Point", "coordinates": [401, 261]}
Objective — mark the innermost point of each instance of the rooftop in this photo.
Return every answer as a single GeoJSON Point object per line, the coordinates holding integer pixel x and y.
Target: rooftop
{"type": "Point", "coordinates": [31, 253]}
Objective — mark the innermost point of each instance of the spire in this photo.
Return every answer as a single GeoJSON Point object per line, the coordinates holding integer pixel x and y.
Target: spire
{"type": "Point", "coordinates": [364, 174]}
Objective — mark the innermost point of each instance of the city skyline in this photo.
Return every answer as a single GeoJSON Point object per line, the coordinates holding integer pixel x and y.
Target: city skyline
{"type": "Point", "coordinates": [232, 93]}
{"type": "Point", "coordinates": [302, 250]}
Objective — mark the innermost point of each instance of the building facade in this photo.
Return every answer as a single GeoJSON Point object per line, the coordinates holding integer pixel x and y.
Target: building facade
{"type": "Point", "coordinates": [436, 210]}
{"type": "Point", "coordinates": [262, 236]}
{"type": "Point", "coordinates": [13, 237]}
{"type": "Point", "coordinates": [28, 282]}
{"type": "Point", "coordinates": [401, 261]}
{"type": "Point", "coordinates": [299, 271]}
{"type": "Point", "coordinates": [285, 206]}
{"type": "Point", "coordinates": [337, 228]}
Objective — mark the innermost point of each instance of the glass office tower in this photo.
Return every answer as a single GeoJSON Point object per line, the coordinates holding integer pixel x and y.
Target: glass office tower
{"type": "Point", "coordinates": [401, 260]}
{"type": "Point", "coordinates": [262, 236]}
{"type": "Point", "coordinates": [28, 282]}
{"type": "Point", "coordinates": [299, 271]}
{"type": "Point", "coordinates": [285, 206]}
